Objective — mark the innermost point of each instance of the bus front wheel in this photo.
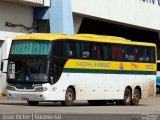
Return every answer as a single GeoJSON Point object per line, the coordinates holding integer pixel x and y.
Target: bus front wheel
{"type": "Point", "coordinates": [33, 103]}
{"type": "Point", "coordinates": [127, 97]}
{"type": "Point", "coordinates": [69, 97]}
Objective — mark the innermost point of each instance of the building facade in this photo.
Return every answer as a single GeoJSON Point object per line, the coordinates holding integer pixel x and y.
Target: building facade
{"type": "Point", "coordinates": [136, 20]}
{"type": "Point", "coordinates": [107, 17]}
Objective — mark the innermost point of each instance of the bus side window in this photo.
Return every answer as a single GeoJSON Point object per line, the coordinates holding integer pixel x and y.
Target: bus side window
{"type": "Point", "coordinates": [130, 53]}
{"type": "Point", "coordinates": [106, 52]}
{"type": "Point", "coordinates": [140, 54]}
{"type": "Point", "coordinates": [73, 49]}
{"type": "Point", "coordinates": [58, 48]}
{"type": "Point", "coordinates": [86, 50]}
{"type": "Point", "coordinates": [144, 54]}
{"type": "Point", "coordinates": [68, 50]}
{"type": "Point", "coordinates": [152, 55]}
{"type": "Point", "coordinates": [96, 51]}
{"type": "Point", "coordinates": [113, 51]}
{"type": "Point", "coordinates": [149, 54]}
{"type": "Point", "coordinates": [117, 52]}
{"type": "Point", "coordinates": [137, 52]}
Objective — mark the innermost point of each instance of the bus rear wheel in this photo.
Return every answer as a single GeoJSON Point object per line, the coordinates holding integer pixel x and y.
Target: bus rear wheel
{"type": "Point", "coordinates": [69, 97]}
{"type": "Point", "coordinates": [127, 97]}
{"type": "Point", "coordinates": [33, 103]}
{"type": "Point", "coordinates": [136, 97]}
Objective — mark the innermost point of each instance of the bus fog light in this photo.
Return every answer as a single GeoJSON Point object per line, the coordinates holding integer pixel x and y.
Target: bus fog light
{"type": "Point", "coordinates": [10, 88]}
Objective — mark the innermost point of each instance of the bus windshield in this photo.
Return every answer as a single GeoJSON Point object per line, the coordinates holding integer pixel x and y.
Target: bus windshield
{"type": "Point", "coordinates": [34, 70]}
{"type": "Point", "coordinates": [28, 47]}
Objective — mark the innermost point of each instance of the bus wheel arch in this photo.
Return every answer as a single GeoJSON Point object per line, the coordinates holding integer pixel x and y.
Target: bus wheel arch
{"type": "Point", "coordinates": [69, 96]}
{"type": "Point", "coordinates": [136, 95]}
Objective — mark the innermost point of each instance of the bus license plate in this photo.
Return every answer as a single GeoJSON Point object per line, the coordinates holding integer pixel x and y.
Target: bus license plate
{"type": "Point", "coordinates": [25, 98]}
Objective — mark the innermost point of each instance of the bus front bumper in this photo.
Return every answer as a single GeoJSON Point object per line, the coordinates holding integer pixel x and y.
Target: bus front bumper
{"type": "Point", "coordinates": [27, 96]}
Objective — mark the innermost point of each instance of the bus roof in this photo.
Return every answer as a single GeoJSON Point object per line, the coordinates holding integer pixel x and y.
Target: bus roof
{"type": "Point", "coordinates": [41, 36]}
{"type": "Point", "coordinates": [84, 37]}
{"type": "Point", "coordinates": [109, 39]}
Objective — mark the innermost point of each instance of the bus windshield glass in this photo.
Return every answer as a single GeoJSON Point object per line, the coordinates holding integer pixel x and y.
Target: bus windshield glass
{"type": "Point", "coordinates": [33, 70]}
{"type": "Point", "coordinates": [28, 47]}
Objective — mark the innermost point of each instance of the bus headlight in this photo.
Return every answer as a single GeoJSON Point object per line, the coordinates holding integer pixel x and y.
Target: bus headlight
{"type": "Point", "coordinates": [10, 88]}
{"type": "Point", "coordinates": [41, 89]}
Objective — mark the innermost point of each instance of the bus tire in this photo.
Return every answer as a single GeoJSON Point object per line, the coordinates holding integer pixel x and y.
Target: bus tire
{"type": "Point", "coordinates": [33, 103]}
{"type": "Point", "coordinates": [136, 97]}
{"type": "Point", "coordinates": [127, 97]}
{"type": "Point", "coordinates": [69, 97]}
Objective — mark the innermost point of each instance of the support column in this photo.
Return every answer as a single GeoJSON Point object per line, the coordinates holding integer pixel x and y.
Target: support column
{"type": "Point", "coordinates": [61, 18]}
{"type": "Point", "coordinates": [59, 15]}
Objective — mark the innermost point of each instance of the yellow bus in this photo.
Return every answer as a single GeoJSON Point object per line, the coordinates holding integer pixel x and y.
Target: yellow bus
{"type": "Point", "coordinates": [98, 69]}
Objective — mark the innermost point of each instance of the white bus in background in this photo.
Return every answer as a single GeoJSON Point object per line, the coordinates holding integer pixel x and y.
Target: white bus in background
{"type": "Point", "coordinates": [158, 77]}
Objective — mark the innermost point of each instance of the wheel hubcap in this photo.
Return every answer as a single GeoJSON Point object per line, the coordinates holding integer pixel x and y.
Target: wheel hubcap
{"type": "Point", "coordinates": [69, 97]}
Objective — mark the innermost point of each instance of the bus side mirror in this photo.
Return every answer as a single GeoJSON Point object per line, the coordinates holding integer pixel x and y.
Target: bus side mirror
{"type": "Point", "coordinates": [2, 63]}
{"type": "Point", "coordinates": [53, 73]}
{"type": "Point", "coordinates": [4, 66]}
{"type": "Point", "coordinates": [52, 80]}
